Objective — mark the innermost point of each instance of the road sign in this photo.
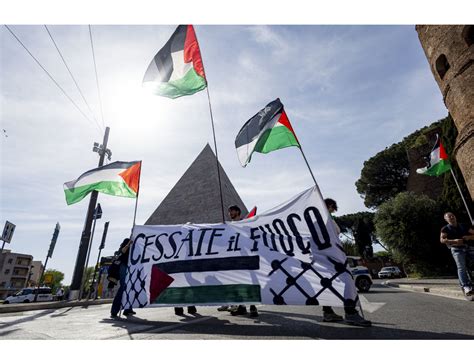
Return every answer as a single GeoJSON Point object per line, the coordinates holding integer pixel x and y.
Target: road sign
{"type": "Point", "coordinates": [48, 278]}
{"type": "Point", "coordinates": [54, 239]}
{"type": "Point", "coordinates": [98, 212]}
{"type": "Point", "coordinates": [104, 235]}
{"type": "Point", "coordinates": [8, 232]}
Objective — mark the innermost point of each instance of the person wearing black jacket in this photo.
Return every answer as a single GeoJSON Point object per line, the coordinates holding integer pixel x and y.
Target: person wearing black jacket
{"type": "Point", "coordinates": [122, 257]}
{"type": "Point", "coordinates": [459, 238]}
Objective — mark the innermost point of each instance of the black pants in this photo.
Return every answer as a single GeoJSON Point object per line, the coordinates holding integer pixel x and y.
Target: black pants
{"type": "Point", "coordinates": [350, 310]}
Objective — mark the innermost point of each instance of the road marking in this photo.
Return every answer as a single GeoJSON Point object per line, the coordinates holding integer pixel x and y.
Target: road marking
{"type": "Point", "coordinates": [370, 307]}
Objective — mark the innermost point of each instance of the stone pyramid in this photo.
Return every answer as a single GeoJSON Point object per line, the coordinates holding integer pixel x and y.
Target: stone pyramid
{"type": "Point", "coordinates": [195, 197]}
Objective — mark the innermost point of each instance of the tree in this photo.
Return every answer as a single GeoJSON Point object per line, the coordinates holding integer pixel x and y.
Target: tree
{"type": "Point", "coordinates": [87, 278]}
{"type": "Point", "coordinates": [361, 226]}
{"type": "Point", "coordinates": [349, 247]}
{"type": "Point", "coordinates": [384, 175]}
{"type": "Point", "coordinates": [410, 224]}
{"type": "Point", "coordinates": [57, 279]}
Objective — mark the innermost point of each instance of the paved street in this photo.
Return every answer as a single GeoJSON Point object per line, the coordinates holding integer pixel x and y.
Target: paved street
{"type": "Point", "coordinates": [395, 314]}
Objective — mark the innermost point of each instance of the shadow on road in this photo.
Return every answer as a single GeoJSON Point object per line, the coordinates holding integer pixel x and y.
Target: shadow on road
{"type": "Point", "coordinates": [135, 325]}
{"type": "Point", "coordinates": [26, 319]}
{"type": "Point", "coordinates": [276, 326]}
{"type": "Point", "coordinates": [64, 313]}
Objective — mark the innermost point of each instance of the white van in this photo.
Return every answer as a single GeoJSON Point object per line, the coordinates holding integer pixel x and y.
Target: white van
{"type": "Point", "coordinates": [27, 295]}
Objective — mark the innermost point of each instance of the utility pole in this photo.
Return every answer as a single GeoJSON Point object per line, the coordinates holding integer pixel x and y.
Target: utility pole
{"type": "Point", "coordinates": [86, 233]}
{"type": "Point", "coordinates": [102, 246]}
{"type": "Point", "coordinates": [97, 215]}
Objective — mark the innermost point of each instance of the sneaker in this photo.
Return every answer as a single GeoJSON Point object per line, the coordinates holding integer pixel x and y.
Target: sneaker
{"type": "Point", "coordinates": [192, 310]}
{"type": "Point", "coordinates": [253, 311]}
{"type": "Point", "coordinates": [179, 311]}
{"type": "Point", "coordinates": [129, 312]}
{"type": "Point", "coordinates": [468, 293]}
{"type": "Point", "coordinates": [240, 310]}
{"type": "Point", "coordinates": [331, 317]}
{"type": "Point", "coordinates": [357, 320]}
{"type": "Point", "coordinates": [223, 308]}
{"type": "Point", "coordinates": [113, 316]}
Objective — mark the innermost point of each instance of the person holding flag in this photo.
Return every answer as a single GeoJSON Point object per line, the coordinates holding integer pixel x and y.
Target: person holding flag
{"type": "Point", "coordinates": [270, 130]}
{"type": "Point", "coordinates": [122, 256]}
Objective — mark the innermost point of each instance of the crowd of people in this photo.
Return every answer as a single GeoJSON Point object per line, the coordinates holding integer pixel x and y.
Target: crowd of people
{"type": "Point", "coordinates": [458, 237]}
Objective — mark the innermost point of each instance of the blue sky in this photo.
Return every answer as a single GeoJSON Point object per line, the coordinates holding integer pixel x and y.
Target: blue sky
{"type": "Point", "coordinates": [349, 91]}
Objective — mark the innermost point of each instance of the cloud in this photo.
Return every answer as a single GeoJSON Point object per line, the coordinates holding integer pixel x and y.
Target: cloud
{"type": "Point", "coordinates": [273, 38]}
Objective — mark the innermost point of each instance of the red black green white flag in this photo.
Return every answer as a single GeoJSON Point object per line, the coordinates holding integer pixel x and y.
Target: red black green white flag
{"type": "Point", "coordinates": [116, 179]}
{"type": "Point", "coordinates": [177, 69]}
{"type": "Point", "coordinates": [252, 213]}
{"type": "Point", "coordinates": [266, 131]}
{"type": "Point", "coordinates": [438, 162]}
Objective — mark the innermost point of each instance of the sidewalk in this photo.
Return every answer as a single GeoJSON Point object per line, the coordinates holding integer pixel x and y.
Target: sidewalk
{"type": "Point", "coordinates": [19, 307]}
{"type": "Point", "coordinates": [447, 287]}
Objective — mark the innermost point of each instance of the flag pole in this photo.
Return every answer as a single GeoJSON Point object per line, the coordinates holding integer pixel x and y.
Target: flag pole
{"type": "Point", "coordinates": [214, 137]}
{"type": "Point", "coordinates": [136, 200]}
{"type": "Point", "coordinates": [462, 196]}
{"type": "Point", "coordinates": [217, 157]}
{"type": "Point", "coordinates": [309, 168]}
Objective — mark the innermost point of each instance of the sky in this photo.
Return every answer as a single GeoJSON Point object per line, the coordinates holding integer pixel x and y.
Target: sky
{"type": "Point", "coordinates": [349, 91]}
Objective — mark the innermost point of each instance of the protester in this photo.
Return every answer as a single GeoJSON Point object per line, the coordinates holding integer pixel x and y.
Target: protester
{"type": "Point", "coordinates": [60, 294]}
{"type": "Point", "coordinates": [459, 238]}
{"type": "Point", "coordinates": [235, 212]}
{"type": "Point", "coordinates": [122, 256]}
{"type": "Point", "coordinates": [351, 316]}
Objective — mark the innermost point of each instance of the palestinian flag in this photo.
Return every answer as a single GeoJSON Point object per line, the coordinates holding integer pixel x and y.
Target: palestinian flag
{"type": "Point", "coordinates": [207, 281]}
{"type": "Point", "coordinates": [116, 179]}
{"type": "Point", "coordinates": [177, 69]}
{"type": "Point", "coordinates": [438, 162]}
{"type": "Point", "coordinates": [252, 213]}
{"type": "Point", "coordinates": [265, 132]}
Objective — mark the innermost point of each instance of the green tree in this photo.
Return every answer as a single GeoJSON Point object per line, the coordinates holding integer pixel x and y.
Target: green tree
{"type": "Point", "coordinates": [410, 224]}
{"type": "Point", "coordinates": [384, 176]}
{"type": "Point", "coordinates": [360, 225]}
{"type": "Point", "coordinates": [57, 279]}
{"type": "Point", "coordinates": [87, 277]}
{"type": "Point", "coordinates": [349, 247]}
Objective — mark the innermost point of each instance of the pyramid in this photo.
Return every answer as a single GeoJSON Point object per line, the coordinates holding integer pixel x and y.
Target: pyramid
{"type": "Point", "coordinates": [195, 197]}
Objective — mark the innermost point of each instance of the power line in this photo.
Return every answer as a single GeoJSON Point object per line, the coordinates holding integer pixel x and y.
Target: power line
{"type": "Point", "coordinates": [49, 75]}
{"type": "Point", "coordinates": [70, 73]}
{"type": "Point", "coordinates": [96, 77]}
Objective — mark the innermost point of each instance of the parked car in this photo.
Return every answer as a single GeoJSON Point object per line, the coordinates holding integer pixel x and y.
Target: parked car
{"type": "Point", "coordinates": [390, 272]}
{"type": "Point", "coordinates": [27, 295]}
{"type": "Point", "coordinates": [360, 273]}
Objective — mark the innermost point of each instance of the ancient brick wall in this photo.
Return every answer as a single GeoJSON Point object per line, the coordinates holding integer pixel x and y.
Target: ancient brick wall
{"type": "Point", "coordinates": [450, 53]}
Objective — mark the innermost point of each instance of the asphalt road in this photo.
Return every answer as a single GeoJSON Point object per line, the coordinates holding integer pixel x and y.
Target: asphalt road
{"type": "Point", "coordinates": [395, 314]}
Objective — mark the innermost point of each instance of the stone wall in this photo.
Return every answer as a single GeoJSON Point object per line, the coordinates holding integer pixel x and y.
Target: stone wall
{"type": "Point", "coordinates": [450, 53]}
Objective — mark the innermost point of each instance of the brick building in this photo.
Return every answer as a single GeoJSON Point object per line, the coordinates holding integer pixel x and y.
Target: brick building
{"type": "Point", "coordinates": [14, 272]}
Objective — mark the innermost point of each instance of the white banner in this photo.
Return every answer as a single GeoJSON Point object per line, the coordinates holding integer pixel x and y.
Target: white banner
{"type": "Point", "coordinates": [290, 255]}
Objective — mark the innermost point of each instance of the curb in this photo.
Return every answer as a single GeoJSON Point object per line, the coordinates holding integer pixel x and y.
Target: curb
{"type": "Point", "coordinates": [449, 293]}
{"type": "Point", "coordinates": [20, 307]}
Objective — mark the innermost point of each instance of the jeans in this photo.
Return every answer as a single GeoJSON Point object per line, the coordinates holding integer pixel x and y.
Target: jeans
{"type": "Point", "coordinates": [117, 303]}
{"type": "Point", "coordinates": [461, 255]}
